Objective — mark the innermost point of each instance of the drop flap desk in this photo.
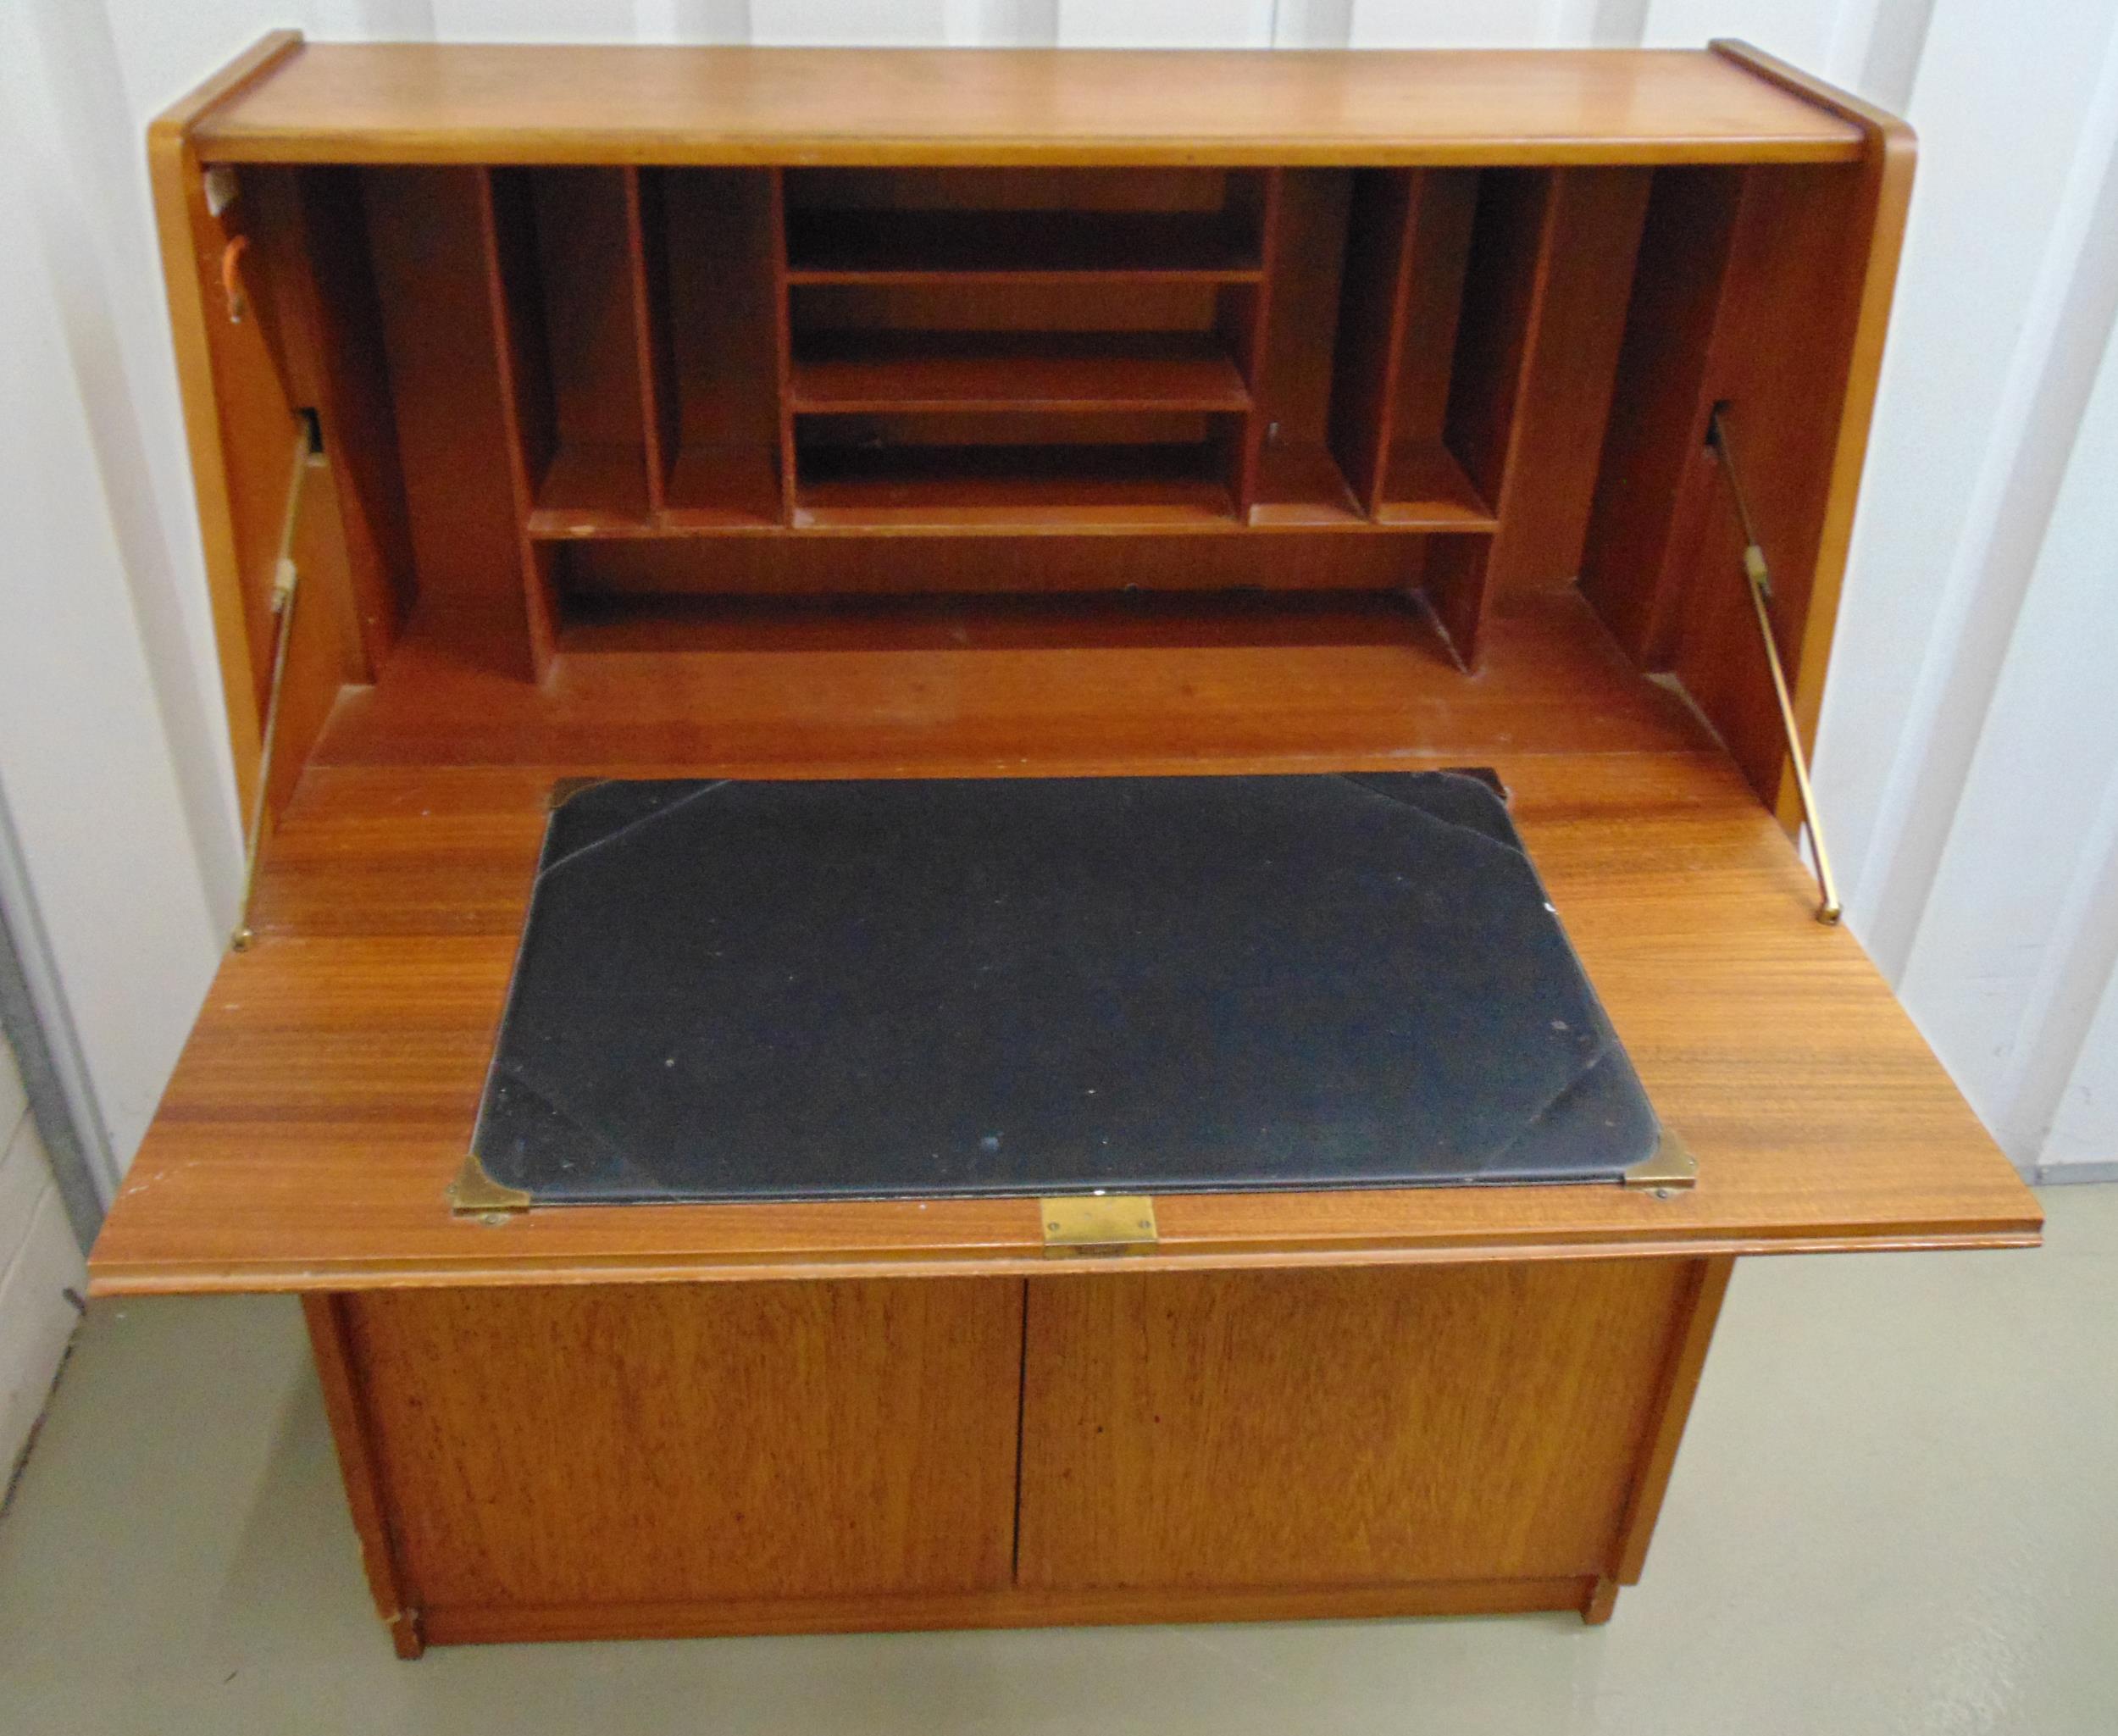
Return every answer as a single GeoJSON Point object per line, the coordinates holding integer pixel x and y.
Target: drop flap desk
{"type": "Point", "coordinates": [667, 413]}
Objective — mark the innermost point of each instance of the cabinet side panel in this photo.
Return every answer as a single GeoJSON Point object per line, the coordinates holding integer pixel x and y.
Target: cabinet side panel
{"type": "Point", "coordinates": [1315, 1428]}
{"type": "Point", "coordinates": [1781, 361]}
{"type": "Point", "coordinates": [656, 1443]}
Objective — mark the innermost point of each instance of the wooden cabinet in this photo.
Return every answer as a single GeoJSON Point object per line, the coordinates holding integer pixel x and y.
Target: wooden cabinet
{"type": "Point", "coordinates": [756, 413]}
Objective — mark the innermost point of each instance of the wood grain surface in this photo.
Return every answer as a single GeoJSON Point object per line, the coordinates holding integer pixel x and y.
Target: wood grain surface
{"type": "Point", "coordinates": [1338, 1428]}
{"type": "Point", "coordinates": [670, 1443]}
{"type": "Point", "coordinates": [326, 1097]}
{"type": "Point", "coordinates": [424, 102]}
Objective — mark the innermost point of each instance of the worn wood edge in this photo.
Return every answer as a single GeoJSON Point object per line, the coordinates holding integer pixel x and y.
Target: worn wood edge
{"type": "Point", "coordinates": [173, 176]}
{"type": "Point", "coordinates": [1005, 1606]}
{"type": "Point", "coordinates": [206, 1276]}
{"type": "Point", "coordinates": [228, 138]}
{"type": "Point", "coordinates": [331, 1344]}
{"type": "Point", "coordinates": [1689, 1341]}
{"type": "Point", "coordinates": [1889, 151]}
{"type": "Point", "coordinates": [593, 148]}
{"type": "Point", "coordinates": [260, 59]}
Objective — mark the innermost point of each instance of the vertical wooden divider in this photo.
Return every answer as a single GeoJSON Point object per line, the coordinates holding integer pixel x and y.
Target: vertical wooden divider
{"type": "Point", "coordinates": [1654, 483]}
{"type": "Point", "coordinates": [1372, 327]}
{"type": "Point", "coordinates": [1250, 331]}
{"type": "Point", "coordinates": [1544, 307]}
{"type": "Point", "coordinates": [506, 227]}
{"type": "Point", "coordinates": [1409, 247]}
{"type": "Point", "coordinates": [645, 263]}
{"type": "Point", "coordinates": [783, 335]}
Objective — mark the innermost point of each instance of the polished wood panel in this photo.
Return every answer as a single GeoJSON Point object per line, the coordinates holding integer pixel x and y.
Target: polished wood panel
{"type": "Point", "coordinates": [1338, 1428]}
{"type": "Point", "coordinates": [422, 102]}
{"type": "Point", "coordinates": [326, 1097]}
{"type": "Point", "coordinates": [619, 1445]}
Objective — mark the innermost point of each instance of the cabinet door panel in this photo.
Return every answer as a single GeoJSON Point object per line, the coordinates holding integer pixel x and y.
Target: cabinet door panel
{"type": "Point", "coordinates": [1293, 1428]}
{"type": "Point", "coordinates": [670, 1443]}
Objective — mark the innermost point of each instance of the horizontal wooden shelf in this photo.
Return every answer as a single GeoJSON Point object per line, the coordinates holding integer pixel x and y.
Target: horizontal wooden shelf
{"type": "Point", "coordinates": [590, 490]}
{"type": "Point", "coordinates": [1424, 488]}
{"type": "Point", "coordinates": [1068, 371]}
{"type": "Point", "coordinates": [992, 488]}
{"type": "Point", "coordinates": [1015, 246]}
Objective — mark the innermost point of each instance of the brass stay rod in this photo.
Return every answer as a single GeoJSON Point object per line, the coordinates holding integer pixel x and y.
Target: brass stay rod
{"type": "Point", "coordinates": [1759, 578]}
{"type": "Point", "coordinates": [286, 579]}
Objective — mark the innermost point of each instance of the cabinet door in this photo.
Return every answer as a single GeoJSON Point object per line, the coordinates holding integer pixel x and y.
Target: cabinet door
{"type": "Point", "coordinates": [690, 1444]}
{"type": "Point", "coordinates": [1312, 1428]}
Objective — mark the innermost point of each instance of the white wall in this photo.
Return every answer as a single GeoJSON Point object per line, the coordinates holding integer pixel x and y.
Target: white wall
{"type": "Point", "coordinates": [1968, 758]}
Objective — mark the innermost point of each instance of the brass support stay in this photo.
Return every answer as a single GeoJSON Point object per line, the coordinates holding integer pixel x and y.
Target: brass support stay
{"type": "Point", "coordinates": [286, 579]}
{"type": "Point", "coordinates": [1759, 578]}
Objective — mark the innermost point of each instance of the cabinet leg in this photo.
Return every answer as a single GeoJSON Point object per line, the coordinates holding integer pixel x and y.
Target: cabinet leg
{"type": "Point", "coordinates": [1601, 1602]}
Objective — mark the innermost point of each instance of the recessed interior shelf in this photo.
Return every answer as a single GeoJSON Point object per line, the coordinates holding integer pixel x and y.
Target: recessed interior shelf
{"type": "Point", "coordinates": [1424, 488]}
{"type": "Point", "coordinates": [591, 489]}
{"type": "Point", "coordinates": [1016, 247]}
{"type": "Point", "coordinates": [1027, 371]}
{"type": "Point", "coordinates": [991, 487]}
{"type": "Point", "coordinates": [758, 381]}
{"type": "Point", "coordinates": [1301, 484]}
{"type": "Point", "coordinates": [716, 487]}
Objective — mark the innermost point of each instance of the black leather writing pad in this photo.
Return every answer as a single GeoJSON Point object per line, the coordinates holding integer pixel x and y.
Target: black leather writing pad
{"type": "Point", "coordinates": [736, 990]}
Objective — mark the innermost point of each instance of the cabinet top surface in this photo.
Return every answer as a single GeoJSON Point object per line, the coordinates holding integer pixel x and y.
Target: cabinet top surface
{"type": "Point", "coordinates": [423, 102]}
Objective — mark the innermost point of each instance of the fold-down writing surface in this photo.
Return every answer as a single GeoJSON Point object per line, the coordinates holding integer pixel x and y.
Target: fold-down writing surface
{"type": "Point", "coordinates": [734, 990]}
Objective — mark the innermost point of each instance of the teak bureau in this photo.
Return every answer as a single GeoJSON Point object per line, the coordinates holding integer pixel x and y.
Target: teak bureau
{"type": "Point", "coordinates": [655, 412]}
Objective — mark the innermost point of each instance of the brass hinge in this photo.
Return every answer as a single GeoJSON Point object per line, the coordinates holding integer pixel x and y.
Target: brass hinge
{"type": "Point", "coordinates": [1670, 1166]}
{"type": "Point", "coordinates": [1080, 1224]}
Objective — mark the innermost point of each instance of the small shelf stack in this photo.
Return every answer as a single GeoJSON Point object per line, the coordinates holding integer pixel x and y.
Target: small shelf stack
{"type": "Point", "coordinates": [698, 354]}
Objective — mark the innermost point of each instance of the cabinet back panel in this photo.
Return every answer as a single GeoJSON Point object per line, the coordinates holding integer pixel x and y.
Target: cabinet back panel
{"type": "Point", "coordinates": [852, 565]}
{"type": "Point", "coordinates": [1007, 189]}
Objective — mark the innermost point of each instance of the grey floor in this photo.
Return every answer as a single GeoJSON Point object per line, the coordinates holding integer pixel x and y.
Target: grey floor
{"type": "Point", "coordinates": [1897, 1511]}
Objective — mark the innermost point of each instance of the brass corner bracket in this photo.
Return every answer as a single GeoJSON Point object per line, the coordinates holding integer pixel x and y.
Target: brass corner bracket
{"type": "Point", "coordinates": [1096, 1224]}
{"type": "Point", "coordinates": [1669, 1166]}
{"type": "Point", "coordinates": [474, 1192]}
